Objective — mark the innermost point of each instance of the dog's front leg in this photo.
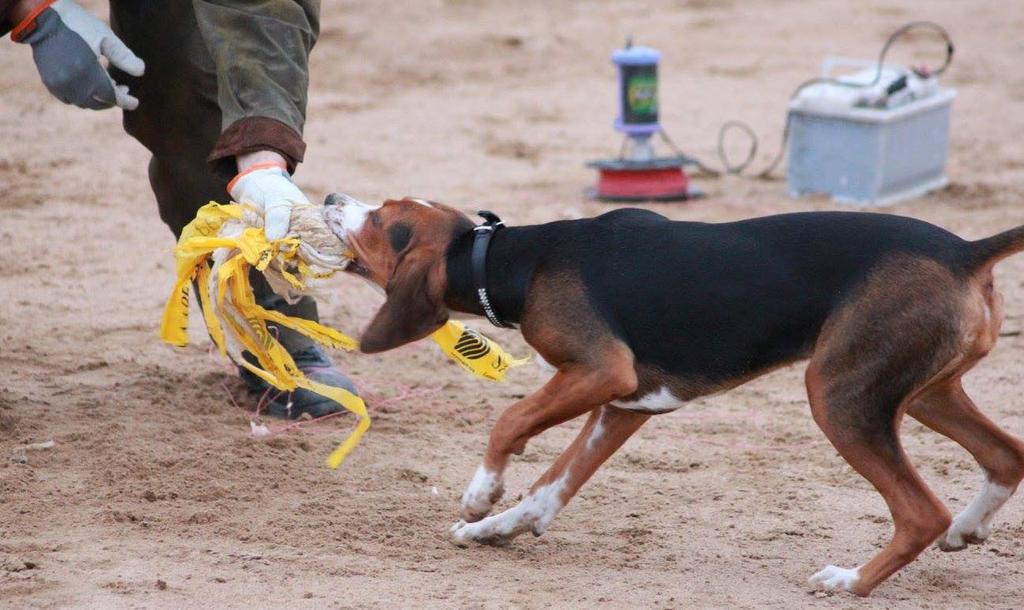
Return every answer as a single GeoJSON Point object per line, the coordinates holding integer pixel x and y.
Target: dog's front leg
{"type": "Point", "coordinates": [575, 389]}
{"type": "Point", "coordinates": [605, 431]}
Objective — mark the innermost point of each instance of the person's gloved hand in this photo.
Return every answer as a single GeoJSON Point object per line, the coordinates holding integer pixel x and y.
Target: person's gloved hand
{"type": "Point", "coordinates": [268, 187]}
{"type": "Point", "coordinates": [67, 42]}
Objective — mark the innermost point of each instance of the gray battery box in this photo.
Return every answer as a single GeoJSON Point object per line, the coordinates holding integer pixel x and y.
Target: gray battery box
{"type": "Point", "coordinates": [869, 155]}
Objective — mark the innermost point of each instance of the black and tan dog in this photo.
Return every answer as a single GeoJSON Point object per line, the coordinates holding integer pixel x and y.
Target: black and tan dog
{"type": "Point", "coordinates": [639, 314]}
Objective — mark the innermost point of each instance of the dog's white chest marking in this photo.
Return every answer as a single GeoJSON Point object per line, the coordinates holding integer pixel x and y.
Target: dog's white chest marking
{"type": "Point", "coordinates": [661, 401]}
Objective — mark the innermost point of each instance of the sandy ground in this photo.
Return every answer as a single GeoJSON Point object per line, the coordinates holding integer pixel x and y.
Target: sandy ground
{"type": "Point", "coordinates": [155, 493]}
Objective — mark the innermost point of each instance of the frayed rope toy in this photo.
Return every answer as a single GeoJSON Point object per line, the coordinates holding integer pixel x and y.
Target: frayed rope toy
{"type": "Point", "coordinates": [216, 251]}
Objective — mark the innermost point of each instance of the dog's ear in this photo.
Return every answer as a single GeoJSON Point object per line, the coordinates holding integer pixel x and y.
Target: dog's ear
{"type": "Point", "coordinates": [414, 307]}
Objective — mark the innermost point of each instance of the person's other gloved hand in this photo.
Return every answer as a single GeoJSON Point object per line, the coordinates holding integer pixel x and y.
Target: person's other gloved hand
{"type": "Point", "coordinates": [67, 42]}
{"type": "Point", "coordinates": [268, 187]}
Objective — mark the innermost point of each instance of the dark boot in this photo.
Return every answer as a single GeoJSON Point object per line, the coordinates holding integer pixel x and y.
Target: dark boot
{"type": "Point", "coordinates": [316, 365]}
{"type": "Point", "coordinates": [309, 357]}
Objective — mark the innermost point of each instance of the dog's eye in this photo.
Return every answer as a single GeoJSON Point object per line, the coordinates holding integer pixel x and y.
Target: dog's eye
{"type": "Point", "coordinates": [399, 236]}
{"type": "Point", "coordinates": [375, 219]}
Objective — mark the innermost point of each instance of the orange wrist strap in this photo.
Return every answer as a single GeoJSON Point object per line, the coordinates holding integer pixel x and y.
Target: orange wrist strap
{"type": "Point", "coordinates": [253, 168]}
{"type": "Point", "coordinates": [28, 24]}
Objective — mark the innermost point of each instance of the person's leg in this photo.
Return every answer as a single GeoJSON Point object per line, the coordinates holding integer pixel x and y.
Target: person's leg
{"type": "Point", "coordinates": [179, 121]}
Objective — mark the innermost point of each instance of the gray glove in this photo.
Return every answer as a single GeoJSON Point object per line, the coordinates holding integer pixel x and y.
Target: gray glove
{"type": "Point", "coordinates": [67, 42]}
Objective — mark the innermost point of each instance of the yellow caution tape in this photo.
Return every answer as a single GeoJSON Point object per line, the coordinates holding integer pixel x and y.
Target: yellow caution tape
{"type": "Point", "coordinates": [475, 352]}
{"type": "Point", "coordinates": [248, 327]}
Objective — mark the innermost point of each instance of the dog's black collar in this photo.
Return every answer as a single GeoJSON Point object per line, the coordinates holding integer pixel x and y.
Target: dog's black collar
{"type": "Point", "coordinates": [478, 259]}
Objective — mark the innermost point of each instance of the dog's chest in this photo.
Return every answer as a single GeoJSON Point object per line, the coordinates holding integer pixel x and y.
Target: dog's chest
{"type": "Point", "coordinates": [661, 400]}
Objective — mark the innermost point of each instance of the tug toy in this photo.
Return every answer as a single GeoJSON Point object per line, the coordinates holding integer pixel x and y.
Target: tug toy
{"type": "Point", "coordinates": [637, 174]}
{"type": "Point", "coordinates": [215, 253]}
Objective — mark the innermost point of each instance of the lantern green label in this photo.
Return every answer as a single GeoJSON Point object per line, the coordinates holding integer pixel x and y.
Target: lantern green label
{"type": "Point", "coordinates": [639, 94]}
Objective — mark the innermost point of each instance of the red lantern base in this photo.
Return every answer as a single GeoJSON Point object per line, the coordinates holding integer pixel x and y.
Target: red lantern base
{"type": "Point", "coordinates": [655, 180]}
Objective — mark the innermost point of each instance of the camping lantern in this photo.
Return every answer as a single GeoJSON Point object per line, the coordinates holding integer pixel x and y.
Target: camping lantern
{"type": "Point", "coordinates": [638, 174]}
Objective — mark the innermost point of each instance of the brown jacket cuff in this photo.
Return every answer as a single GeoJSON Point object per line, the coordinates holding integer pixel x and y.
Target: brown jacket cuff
{"type": "Point", "coordinates": [5, 20]}
{"type": "Point", "coordinates": [252, 134]}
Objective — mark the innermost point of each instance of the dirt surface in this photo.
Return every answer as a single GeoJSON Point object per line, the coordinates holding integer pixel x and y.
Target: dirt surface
{"type": "Point", "coordinates": [156, 494]}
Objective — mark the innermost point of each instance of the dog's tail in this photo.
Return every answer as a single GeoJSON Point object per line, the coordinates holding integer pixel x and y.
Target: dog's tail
{"type": "Point", "coordinates": [988, 251]}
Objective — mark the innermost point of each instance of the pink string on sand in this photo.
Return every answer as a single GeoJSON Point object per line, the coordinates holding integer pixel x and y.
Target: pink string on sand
{"type": "Point", "coordinates": [407, 393]}
{"type": "Point", "coordinates": [229, 368]}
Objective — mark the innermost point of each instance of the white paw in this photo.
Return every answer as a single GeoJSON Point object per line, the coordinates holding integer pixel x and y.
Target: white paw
{"type": "Point", "coordinates": [960, 534]}
{"type": "Point", "coordinates": [480, 532]}
{"type": "Point", "coordinates": [533, 514]}
{"type": "Point", "coordinates": [971, 526]}
{"type": "Point", "coordinates": [457, 536]}
{"type": "Point", "coordinates": [833, 578]}
{"type": "Point", "coordinates": [482, 492]}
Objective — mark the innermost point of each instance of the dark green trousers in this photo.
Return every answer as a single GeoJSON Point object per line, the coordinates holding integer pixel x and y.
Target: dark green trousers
{"type": "Point", "coordinates": [178, 120]}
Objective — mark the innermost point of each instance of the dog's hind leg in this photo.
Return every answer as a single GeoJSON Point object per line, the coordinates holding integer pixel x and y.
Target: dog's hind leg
{"type": "Point", "coordinates": [949, 411]}
{"type": "Point", "coordinates": [605, 431]}
{"type": "Point", "coordinates": [873, 448]}
{"type": "Point", "coordinates": [901, 334]}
